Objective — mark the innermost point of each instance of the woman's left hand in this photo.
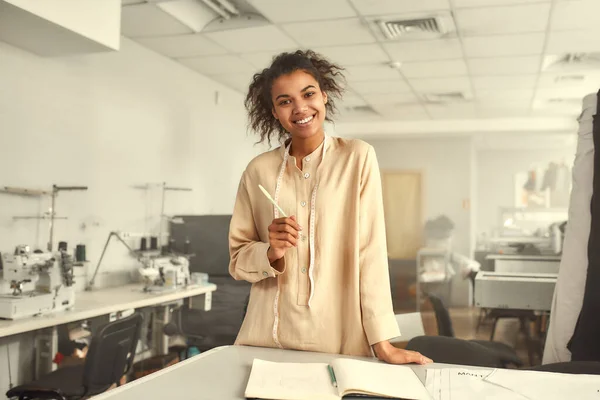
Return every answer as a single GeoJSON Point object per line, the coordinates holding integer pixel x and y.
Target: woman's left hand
{"type": "Point", "coordinates": [385, 351]}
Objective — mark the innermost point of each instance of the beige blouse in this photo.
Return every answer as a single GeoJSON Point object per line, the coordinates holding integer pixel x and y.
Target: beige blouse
{"type": "Point", "coordinates": [333, 295]}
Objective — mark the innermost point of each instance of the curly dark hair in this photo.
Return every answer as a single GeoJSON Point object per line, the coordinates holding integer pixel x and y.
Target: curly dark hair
{"type": "Point", "coordinates": [258, 100]}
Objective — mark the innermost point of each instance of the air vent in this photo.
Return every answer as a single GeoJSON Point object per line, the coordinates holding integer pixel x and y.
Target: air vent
{"type": "Point", "coordinates": [572, 62]}
{"type": "Point", "coordinates": [415, 28]}
{"type": "Point", "coordinates": [362, 110]}
{"type": "Point", "coordinates": [442, 98]}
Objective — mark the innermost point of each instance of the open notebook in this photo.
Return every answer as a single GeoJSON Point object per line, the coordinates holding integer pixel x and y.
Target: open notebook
{"type": "Point", "coordinates": [297, 381]}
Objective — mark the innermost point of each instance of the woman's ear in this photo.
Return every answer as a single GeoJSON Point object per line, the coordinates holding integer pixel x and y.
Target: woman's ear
{"type": "Point", "coordinates": [324, 97]}
{"type": "Point", "coordinates": [274, 114]}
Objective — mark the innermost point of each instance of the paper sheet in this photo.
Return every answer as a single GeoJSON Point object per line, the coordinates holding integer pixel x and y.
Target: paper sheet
{"type": "Point", "coordinates": [465, 384]}
{"type": "Point", "coordinates": [535, 385]}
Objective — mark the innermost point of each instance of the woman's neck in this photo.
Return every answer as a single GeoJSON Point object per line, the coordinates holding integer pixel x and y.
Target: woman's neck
{"type": "Point", "coordinates": [301, 147]}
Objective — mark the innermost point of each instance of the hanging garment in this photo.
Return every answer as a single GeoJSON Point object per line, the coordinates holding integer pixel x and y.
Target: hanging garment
{"type": "Point", "coordinates": [568, 295]}
{"type": "Point", "coordinates": [585, 343]}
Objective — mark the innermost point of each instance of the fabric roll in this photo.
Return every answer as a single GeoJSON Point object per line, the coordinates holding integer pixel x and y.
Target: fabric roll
{"type": "Point", "coordinates": [569, 292]}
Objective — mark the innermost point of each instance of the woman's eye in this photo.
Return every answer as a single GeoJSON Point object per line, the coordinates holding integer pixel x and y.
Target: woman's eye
{"type": "Point", "coordinates": [309, 94]}
{"type": "Point", "coordinates": [284, 102]}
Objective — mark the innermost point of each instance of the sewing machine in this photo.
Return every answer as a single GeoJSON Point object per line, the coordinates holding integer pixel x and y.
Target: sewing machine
{"type": "Point", "coordinates": [164, 273]}
{"type": "Point", "coordinates": [38, 283]}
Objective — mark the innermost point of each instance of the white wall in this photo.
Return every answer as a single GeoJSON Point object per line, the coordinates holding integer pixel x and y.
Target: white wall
{"type": "Point", "coordinates": [110, 121]}
{"type": "Point", "coordinates": [496, 169]}
{"type": "Point", "coordinates": [446, 166]}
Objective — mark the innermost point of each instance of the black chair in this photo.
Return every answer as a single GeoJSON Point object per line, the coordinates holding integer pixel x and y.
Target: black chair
{"type": "Point", "coordinates": [109, 358]}
{"type": "Point", "coordinates": [445, 348]}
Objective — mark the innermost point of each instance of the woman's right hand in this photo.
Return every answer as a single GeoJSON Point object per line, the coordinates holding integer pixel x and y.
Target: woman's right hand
{"type": "Point", "coordinates": [283, 235]}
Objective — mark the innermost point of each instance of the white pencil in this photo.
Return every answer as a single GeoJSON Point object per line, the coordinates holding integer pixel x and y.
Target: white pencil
{"type": "Point", "coordinates": [272, 201]}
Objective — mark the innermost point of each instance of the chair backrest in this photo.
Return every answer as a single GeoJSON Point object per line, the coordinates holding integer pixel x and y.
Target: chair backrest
{"type": "Point", "coordinates": [442, 316]}
{"type": "Point", "coordinates": [111, 352]}
{"type": "Point", "coordinates": [410, 325]}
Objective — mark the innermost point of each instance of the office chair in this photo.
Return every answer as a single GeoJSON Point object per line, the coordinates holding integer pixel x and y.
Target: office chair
{"type": "Point", "coordinates": [445, 348]}
{"type": "Point", "coordinates": [110, 356]}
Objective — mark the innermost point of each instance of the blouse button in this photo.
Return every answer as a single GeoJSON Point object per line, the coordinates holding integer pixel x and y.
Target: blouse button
{"type": "Point", "coordinates": [306, 175]}
{"type": "Point", "coordinates": [303, 204]}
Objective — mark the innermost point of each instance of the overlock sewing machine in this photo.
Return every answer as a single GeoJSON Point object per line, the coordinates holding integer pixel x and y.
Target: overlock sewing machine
{"type": "Point", "coordinates": [38, 283]}
{"type": "Point", "coordinates": [164, 273]}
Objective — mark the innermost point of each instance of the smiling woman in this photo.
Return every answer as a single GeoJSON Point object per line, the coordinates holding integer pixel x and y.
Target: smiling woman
{"type": "Point", "coordinates": [320, 279]}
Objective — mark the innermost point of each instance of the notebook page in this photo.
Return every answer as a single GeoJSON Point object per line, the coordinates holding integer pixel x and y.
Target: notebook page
{"type": "Point", "coordinates": [387, 380]}
{"type": "Point", "coordinates": [546, 385]}
{"type": "Point", "coordinates": [469, 384]}
{"type": "Point", "coordinates": [290, 381]}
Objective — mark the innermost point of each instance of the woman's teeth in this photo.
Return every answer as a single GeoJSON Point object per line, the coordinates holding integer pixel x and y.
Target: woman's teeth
{"type": "Point", "coordinates": [305, 120]}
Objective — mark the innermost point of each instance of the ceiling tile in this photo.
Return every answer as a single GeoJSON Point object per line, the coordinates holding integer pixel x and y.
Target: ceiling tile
{"type": "Point", "coordinates": [451, 111]}
{"type": "Point", "coordinates": [382, 7]}
{"type": "Point", "coordinates": [434, 69]}
{"type": "Point", "coordinates": [330, 33]}
{"type": "Point", "coordinates": [503, 111]}
{"type": "Point", "coordinates": [425, 50]}
{"type": "Point", "coordinates": [260, 38]}
{"type": "Point", "coordinates": [580, 41]}
{"type": "Point", "coordinates": [148, 20]}
{"type": "Point", "coordinates": [354, 55]}
{"type": "Point", "coordinates": [359, 73]}
{"type": "Point", "coordinates": [182, 45]}
{"type": "Point", "coordinates": [351, 100]}
{"type": "Point", "coordinates": [484, 3]}
{"type": "Point", "coordinates": [441, 85]}
{"type": "Point", "coordinates": [239, 82]}
{"type": "Point", "coordinates": [586, 80]}
{"type": "Point", "coordinates": [504, 97]}
{"type": "Point", "coordinates": [560, 92]}
{"type": "Point", "coordinates": [581, 14]}
{"type": "Point", "coordinates": [279, 11]}
{"type": "Point", "coordinates": [402, 112]}
{"type": "Point", "coordinates": [504, 65]}
{"type": "Point", "coordinates": [383, 99]}
{"type": "Point", "coordinates": [501, 20]}
{"type": "Point", "coordinates": [375, 87]}
{"type": "Point", "coordinates": [218, 65]}
{"type": "Point", "coordinates": [508, 45]}
{"type": "Point", "coordinates": [504, 82]}
{"type": "Point", "coordinates": [264, 58]}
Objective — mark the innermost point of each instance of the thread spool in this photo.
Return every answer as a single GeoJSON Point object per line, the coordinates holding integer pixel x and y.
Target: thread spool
{"type": "Point", "coordinates": [62, 246]}
{"type": "Point", "coordinates": [186, 246]}
{"type": "Point", "coordinates": [80, 253]}
{"type": "Point", "coordinates": [153, 243]}
{"type": "Point", "coordinates": [144, 244]}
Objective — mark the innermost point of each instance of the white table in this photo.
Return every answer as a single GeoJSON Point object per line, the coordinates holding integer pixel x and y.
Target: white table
{"type": "Point", "coordinates": [94, 304]}
{"type": "Point", "coordinates": [221, 373]}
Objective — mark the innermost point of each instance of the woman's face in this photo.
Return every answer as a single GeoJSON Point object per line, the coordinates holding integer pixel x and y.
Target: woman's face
{"type": "Point", "coordinates": [299, 104]}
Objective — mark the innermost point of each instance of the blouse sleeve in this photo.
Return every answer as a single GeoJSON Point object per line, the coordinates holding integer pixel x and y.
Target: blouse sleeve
{"type": "Point", "coordinates": [378, 317]}
{"type": "Point", "coordinates": [248, 254]}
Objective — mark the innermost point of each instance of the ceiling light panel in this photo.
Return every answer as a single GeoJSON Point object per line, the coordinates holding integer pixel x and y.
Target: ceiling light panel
{"type": "Point", "coordinates": [503, 20]}
{"type": "Point", "coordinates": [425, 50]}
{"type": "Point", "coordinates": [262, 38]}
{"type": "Point", "coordinates": [383, 7]}
{"type": "Point", "coordinates": [278, 11]}
{"type": "Point", "coordinates": [177, 46]}
{"type": "Point", "coordinates": [506, 45]}
{"type": "Point", "coordinates": [330, 33]}
{"type": "Point", "coordinates": [144, 20]}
